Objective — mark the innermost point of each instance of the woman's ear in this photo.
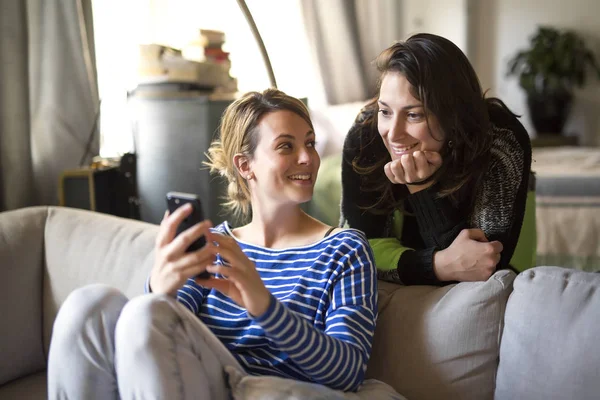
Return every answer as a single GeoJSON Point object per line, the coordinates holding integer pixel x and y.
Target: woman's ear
{"type": "Point", "coordinates": [242, 164]}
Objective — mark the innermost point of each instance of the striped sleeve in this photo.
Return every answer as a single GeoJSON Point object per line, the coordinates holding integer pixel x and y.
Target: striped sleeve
{"type": "Point", "coordinates": [191, 295]}
{"type": "Point", "coordinates": [338, 356]}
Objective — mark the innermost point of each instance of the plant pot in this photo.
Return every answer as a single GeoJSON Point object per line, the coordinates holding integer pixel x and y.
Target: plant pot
{"type": "Point", "coordinates": [549, 112]}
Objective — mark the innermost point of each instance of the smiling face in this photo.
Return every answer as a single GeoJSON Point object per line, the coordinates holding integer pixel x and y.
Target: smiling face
{"type": "Point", "coordinates": [402, 121]}
{"type": "Point", "coordinates": [285, 164]}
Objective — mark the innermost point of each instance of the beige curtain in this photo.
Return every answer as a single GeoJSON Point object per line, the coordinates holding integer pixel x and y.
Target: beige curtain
{"type": "Point", "coordinates": [48, 97]}
{"type": "Point", "coordinates": [346, 36]}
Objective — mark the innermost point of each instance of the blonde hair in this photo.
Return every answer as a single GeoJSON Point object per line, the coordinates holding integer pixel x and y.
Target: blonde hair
{"type": "Point", "coordinates": [238, 133]}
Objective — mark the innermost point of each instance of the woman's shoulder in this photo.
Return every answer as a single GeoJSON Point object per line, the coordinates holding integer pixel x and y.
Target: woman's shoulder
{"type": "Point", "coordinates": [510, 161]}
{"type": "Point", "coordinates": [506, 127]}
{"type": "Point", "coordinates": [348, 238]}
{"type": "Point", "coordinates": [349, 233]}
{"type": "Point", "coordinates": [364, 121]}
{"type": "Point", "coordinates": [349, 246]}
{"type": "Point", "coordinates": [222, 228]}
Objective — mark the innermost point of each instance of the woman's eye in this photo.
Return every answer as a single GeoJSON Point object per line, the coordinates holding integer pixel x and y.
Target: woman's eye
{"type": "Point", "coordinates": [384, 112]}
{"type": "Point", "coordinates": [415, 116]}
{"type": "Point", "coordinates": [312, 143]}
{"type": "Point", "coordinates": [285, 146]}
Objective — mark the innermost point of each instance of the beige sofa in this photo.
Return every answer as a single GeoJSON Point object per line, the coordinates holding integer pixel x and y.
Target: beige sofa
{"type": "Point", "coordinates": [536, 339]}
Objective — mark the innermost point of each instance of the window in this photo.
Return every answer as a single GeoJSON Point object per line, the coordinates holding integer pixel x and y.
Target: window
{"type": "Point", "coordinates": [120, 26]}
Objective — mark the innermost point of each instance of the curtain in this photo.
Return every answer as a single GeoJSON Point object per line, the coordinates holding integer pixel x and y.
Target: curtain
{"type": "Point", "coordinates": [346, 36]}
{"type": "Point", "coordinates": [48, 97]}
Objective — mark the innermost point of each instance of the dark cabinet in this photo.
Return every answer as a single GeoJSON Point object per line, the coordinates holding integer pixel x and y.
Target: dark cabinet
{"type": "Point", "coordinates": [172, 133]}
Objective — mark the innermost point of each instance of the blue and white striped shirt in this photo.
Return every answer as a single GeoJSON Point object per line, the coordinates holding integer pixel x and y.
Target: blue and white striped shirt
{"type": "Point", "coordinates": [320, 323]}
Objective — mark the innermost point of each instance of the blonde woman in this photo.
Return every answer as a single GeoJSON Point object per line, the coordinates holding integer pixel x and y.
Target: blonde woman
{"type": "Point", "coordinates": [289, 296]}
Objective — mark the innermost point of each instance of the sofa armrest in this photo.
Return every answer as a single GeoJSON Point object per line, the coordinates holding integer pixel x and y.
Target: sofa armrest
{"type": "Point", "coordinates": [21, 266]}
{"type": "Point", "coordinates": [84, 247]}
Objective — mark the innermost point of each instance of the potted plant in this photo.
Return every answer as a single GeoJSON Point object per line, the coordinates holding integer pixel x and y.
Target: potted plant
{"type": "Point", "coordinates": [549, 71]}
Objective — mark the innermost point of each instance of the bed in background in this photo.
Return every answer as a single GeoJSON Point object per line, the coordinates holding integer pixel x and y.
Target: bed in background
{"type": "Point", "coordinates": [568, 206]}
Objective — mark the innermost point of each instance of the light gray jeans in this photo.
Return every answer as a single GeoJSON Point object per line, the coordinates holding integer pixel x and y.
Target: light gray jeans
{"type": "Point", "coordinates": [105, 346]}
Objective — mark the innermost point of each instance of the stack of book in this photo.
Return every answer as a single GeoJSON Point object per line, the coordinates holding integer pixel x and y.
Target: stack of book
{"type": "Point", "coordinates": [202, 64]}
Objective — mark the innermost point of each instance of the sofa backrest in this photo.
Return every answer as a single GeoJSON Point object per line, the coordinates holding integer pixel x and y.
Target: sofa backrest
{"type": "Point", "coordinates": [21, 260]}
{"type": "Point", "coordinates": [551, 340]}
{"type": "Point", "coordinates": [84, 247]}
{"type": "Point", "coordinates": [440, 343]}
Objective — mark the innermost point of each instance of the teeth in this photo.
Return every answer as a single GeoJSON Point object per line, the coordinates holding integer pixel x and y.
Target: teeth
{"type": "Point", "coordinates": [403, 149]}
{"type": "Point", "coordinates": [304, 177]}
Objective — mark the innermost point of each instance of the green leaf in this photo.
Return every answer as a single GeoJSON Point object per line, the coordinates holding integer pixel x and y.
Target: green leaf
{"type": "Point", "coordinates": [556, 60]}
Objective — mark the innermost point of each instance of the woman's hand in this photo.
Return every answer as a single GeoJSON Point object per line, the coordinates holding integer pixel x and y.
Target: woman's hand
{"type": "Point", "coordinates": [242, 282]}
{"type": "Point", "coordinates": [413, 167]}
{"type": "Point", "coordinates": [172, 265]}
{"type": "Point", "coordinates": [470, 257]}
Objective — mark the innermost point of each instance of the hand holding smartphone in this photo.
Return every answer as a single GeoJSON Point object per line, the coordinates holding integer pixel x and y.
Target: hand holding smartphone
{"type": "Point", "coordinates": [178, 199]}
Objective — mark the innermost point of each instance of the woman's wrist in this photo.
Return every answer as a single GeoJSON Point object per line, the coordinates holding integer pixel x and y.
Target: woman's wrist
{"type": "Point", "coordinates": [440, 265]}
{"type": "Point", "coordinates": [262, 305]}
{"type": "Point", "coordinates": [417, 188]}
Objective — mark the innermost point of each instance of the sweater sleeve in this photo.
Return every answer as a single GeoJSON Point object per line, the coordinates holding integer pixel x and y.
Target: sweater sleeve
{"type": "Point", "coordinates": [500, 202]}
{"type": "Point", "coordinates": [439, 221]}
{"type": "Point", "coordinates": [336, 357]}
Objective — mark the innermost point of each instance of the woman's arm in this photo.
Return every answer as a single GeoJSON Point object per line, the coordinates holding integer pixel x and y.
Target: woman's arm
{"type": "Point", "coordinates": [338, 356]}
{"type": "Point", "coordinates": [500, 204]}
{"type": "Point", "coordinates": [438, 219]}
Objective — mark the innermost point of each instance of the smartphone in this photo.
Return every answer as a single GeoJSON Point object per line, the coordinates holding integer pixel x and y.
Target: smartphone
{"type": "Point", "coordinates": [178, 199]}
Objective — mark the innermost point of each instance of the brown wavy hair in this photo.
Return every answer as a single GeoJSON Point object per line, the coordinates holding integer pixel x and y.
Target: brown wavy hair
{"type": "Point", "coordinates": [238, 133]}
{"type": "Point", "coordinates": [443, 80]}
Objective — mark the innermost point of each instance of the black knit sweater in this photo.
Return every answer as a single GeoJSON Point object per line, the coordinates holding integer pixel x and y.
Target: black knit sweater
{"type": "Point", "coordinates": [431, 222]}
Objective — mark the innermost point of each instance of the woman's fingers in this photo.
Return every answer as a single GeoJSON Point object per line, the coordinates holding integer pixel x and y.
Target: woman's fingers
{"type": "Point", "coordinates": [225, 272]}
{"type": "Point", "coordinates": [434, 158]}
{"type": "Point", "coordinates": [179, 245]}
{"type": "Point", "coordinates": [224, 286]}
{"type": "Point", "coordinates": [497, 246]}
{"type": "Point", "coordinates": [395, 172]}
{"type": "Point", "coordinates": [192, 261]}
{"type": "Point", "coordinates": [413, 167]}
{"type": "Point", "coordinates": [229, 250]}
{"type": "Point", "coordinates": [410, 171]}
{"type": "Point", "coordinates": [422, 168]}
{"type": "Point", "coordinates": [169, 224]}
{"type": "Point", "coordinates": [387, 169]}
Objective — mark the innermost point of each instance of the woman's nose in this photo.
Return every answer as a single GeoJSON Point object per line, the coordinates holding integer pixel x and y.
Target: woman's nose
{"type": "Point", "coordinates": [397, 130]}
{"type": "Point", "coordinates": [304, 156]}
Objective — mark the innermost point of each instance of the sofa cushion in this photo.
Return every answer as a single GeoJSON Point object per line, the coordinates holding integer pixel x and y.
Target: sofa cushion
{"type": "Point", "coordinates": [440, 343]}
{"type": "Point", "coordinates": [84, 247]}
{"type": "Point", "coordinates": [550, 342]}
{"type": "Point", "coordinates": [30, 387]}
{"type": "Point", "coordinates": [21, 255]}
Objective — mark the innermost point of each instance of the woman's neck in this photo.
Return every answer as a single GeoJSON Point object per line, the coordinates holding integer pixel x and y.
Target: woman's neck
{"type": "Point", "coordinates": [279, 228]}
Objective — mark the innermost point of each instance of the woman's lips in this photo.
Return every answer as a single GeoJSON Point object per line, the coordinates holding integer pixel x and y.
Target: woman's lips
{"type": "Point", "coordinates": [404, 149]}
